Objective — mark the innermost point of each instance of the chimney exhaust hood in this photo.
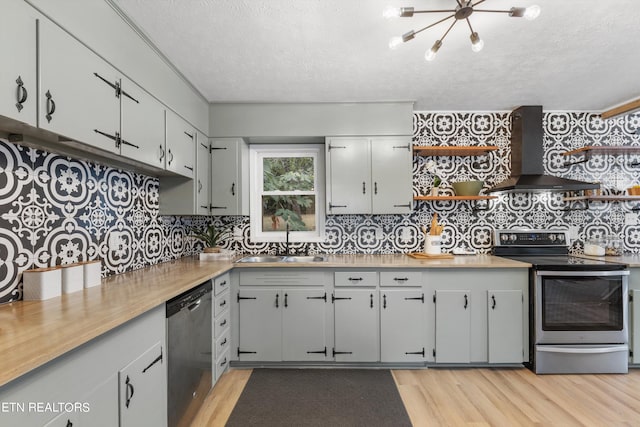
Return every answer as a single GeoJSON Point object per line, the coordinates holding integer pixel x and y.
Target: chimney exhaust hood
{"type": "Point", "coordinates": [527, 154]}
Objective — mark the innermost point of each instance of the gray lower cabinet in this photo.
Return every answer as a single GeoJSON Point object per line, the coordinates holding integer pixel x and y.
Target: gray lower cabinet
{"type": "Point", "coordinates": [98, 409]}
{"type": "Point", "coordinates": [357, 338]}
{"type": "Point", "coordinates": [505, 323]}
{"type": "Point", "coordinates": [95, 375]}
{"type": "Point", "coordinates": [142, 390]}
{"type": "Point", "coordinates": [453, 326]}
{"type": "Point", "coordinates": [403, 324]}
{"type": "Point", "coordinates": [282, 324]}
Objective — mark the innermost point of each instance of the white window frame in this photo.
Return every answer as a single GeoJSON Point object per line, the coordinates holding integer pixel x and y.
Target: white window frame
{"type": "Point", "coordinates": [259, 151]}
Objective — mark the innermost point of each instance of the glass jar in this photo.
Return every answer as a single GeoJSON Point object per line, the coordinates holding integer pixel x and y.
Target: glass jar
{"type": "Point", "coordinates": [613, 246]}
{"type": "Point", "coordinates": [595, 247]}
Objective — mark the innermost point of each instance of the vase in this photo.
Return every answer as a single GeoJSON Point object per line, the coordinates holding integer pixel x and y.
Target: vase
{"type": "Point", "coordinates": [212, 250]}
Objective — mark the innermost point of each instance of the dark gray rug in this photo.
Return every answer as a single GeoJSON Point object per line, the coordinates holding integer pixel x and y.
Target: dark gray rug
{"type": "Point", "coordinates": [319, 397]}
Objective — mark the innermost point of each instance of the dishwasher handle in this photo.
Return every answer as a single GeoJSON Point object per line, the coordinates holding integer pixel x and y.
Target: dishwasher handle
{"type": "Point", "coordinates": [194, 305]}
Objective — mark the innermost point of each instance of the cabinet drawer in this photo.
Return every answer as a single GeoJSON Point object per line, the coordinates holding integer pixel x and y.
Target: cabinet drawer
{"type": "Point", "coordinates": [223, 343]}
{"type": "Point", "coordinates": [221, 303]}
{"type": "Point", "coordinates": [356, 278]}
{"type": "Point", "coordinates": [281, 277]}
{"type": "Point", "coordinates": [220, 324]}
{"type": "Point", "coordinates": [221, 283]}
{"type": "Point", "coordinates": [222, 363]}
{"type": "Point", "coordinates": [400, 278]}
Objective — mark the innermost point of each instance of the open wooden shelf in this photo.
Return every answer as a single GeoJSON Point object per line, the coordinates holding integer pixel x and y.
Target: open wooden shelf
{"type": "Point", "coordinates": [455, 197]}
{"type": "Point", "coordinates": [602, 150]}
{"type": "Point", "coordinates": [453, 150]}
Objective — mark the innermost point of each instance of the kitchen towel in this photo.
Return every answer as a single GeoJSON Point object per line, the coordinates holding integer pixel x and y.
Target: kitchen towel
{"type": "Point", "coordinates": [319, 397]}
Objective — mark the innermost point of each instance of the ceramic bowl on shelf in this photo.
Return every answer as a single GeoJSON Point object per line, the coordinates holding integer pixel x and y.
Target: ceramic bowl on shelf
{"type": "Point", "coordinates": [467, 188]}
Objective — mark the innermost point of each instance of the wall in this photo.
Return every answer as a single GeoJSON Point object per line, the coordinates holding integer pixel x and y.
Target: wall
{"type": "Point", "coordinates": [467, 225]}
{"type": "Point", "coordinates": [57, 210]}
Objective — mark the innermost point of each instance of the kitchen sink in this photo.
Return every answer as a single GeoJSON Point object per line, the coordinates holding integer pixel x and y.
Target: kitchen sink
{"type": "Point", "coordinates": [278, 258]}
{"type": "Point", "coordinates": [261, 258]}
{"type": "Point", "coordinates": [305, 258]}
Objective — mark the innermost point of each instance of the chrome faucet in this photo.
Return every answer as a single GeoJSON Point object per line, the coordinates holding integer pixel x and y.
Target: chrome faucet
{"type": "Point", "coordinates": [287, 240]}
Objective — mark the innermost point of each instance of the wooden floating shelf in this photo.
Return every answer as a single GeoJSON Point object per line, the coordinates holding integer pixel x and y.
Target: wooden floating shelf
{"type": "Point", "coordinates": [453, 150]}
{"type": "Point", "coordinates": [602, 150]}
{"type": "Point", "coordinates": [456, 197]}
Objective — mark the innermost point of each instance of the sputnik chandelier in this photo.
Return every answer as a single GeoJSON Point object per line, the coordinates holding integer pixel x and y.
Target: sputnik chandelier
{"type": "Point", "coordinates": [464, 9]}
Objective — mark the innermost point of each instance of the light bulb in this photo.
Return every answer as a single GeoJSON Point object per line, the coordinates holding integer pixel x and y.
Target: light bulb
{"type": "Point", "coordinates": [430, 55]}
{"type": "Point", "coordinates": [532, 12]}
{"type": "Point", "coordinates": [395, 42]}
{"type": "Point", "coordinates": [391, 12]}
{"type": "Point", "coordinates": [476, 42]}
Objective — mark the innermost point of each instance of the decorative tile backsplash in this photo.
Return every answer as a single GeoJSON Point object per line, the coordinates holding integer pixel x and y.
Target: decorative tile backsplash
{"type": "Point", "coordinates": [56, 210]}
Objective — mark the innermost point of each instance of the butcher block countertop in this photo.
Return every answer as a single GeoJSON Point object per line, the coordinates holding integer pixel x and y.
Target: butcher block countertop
{"type": "Point", "coordinates": [33, 333]}
{"type": "Point", "coordinates": [398, 261]}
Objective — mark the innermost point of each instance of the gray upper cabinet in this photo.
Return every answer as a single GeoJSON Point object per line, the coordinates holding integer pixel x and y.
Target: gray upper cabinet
{"type": "Point", "coordinates": [18, 72]}
{"type": "Point", "coordinates": [203, 174]}
{"type": "Point", "coordinates": [181, 195]}
{"type": "Point", "coordinates": [181, 137]}
{"type": "Point", "coordinates": [142, 126]}
{"type": "Point", "coordinates": [229, 176]}
{"type": "Point", "coordinates": [369, 175]}
{"type": "Point", "coordinates": [78, 98]}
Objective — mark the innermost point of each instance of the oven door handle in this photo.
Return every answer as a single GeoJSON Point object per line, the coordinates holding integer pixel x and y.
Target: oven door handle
{"type": "Point", "coordinates": [583, 273]}
{"type": "Point", "coordinates": [583, 350]}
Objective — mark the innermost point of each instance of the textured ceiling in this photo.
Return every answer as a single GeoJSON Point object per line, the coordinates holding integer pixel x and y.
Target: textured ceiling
{"type": "Point", "coordinates": [578, 54]}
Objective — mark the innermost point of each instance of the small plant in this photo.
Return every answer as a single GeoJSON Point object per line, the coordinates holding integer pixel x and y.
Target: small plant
{"type": "Point", "coordinates": [211, 236]}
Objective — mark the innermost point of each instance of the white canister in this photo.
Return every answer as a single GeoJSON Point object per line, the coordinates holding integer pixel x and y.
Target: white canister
{"type": "Point", "coordinates": [432, 245]}
{"type": "Point", "coordinates": [92, 273]}
{"type": "Point", "coordinates": [41, 283]}
{"type": "Point", "coordinates": [72, 278]}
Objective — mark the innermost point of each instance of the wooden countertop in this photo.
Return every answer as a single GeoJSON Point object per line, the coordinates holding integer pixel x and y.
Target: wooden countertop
{"type": "Point", "coordinates": [33, 333]}
{"type": "Point", "coordinates": [398, 261]}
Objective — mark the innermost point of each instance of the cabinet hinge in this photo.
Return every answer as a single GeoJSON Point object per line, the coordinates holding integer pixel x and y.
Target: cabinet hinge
{"type": "Point", "coordinates": [245, 352]}
{"type": "Point", "coordinates": [217, 148]}
{"type": "Point", "coordinates": [630, 296]}
{"type": "Point", "coordinates": [630, 353]}
{"type": "Point", "coordinates": [434, 298]}
{"type": "Point", "coordinates": [434, 352]}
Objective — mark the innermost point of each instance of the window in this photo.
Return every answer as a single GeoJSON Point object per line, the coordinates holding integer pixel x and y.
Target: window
{"type": "Point", "coordinates": [287, 188]}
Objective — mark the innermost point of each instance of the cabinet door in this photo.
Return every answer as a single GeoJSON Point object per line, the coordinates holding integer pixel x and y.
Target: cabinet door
{"type": "Point", "coordinates": [97, 409]}
{"type": "Point", "coordinates": [348, 176]}
{"type": "Point", "coordinates": [180, 156]}
{"type": "Point", "coordinates": [225, 174]}
{"type": "Point", "coordinates": [303, 325]}
{"type": "Point", "coordinates": [143, 127]}
{"type": "Point", "coordinates": [403, 323]}
{"type": "Point", "coordinates": [260, 325]}
{"type": "Point", "coordinates": [505, 326]}
{"type": "Point", "coordinates": [203, 171]}
{"type": "Point", "coordinates": [356, 325]}
{"type": "Point", "coordinates": [391, 173]}
{"type": "Point", "coordinates": [635, 324]}
{"type": "Point", "coordinates": [18, 72]}
{"type": "Point", "coordinates": [143, 390]}
{"type": "Point", "coordinates": [78, 99]}
{"type": "Point", "coordinates": [453, 326]}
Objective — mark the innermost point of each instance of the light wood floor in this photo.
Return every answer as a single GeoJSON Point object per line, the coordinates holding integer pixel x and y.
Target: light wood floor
{"type": "Point", "coordinates": [484, 397]}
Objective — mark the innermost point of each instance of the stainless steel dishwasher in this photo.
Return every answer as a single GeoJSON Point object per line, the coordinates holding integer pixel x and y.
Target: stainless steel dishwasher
{"type": "Point", "coordinates": [189, 353]}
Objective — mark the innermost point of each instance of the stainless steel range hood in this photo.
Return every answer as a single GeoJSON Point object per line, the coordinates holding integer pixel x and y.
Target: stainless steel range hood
{"type": "Point", "coordinates": [527, 153]}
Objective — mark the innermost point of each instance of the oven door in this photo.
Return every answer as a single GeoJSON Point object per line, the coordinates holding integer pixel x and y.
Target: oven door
{"type": "Point", "coordinates": [581, 307]}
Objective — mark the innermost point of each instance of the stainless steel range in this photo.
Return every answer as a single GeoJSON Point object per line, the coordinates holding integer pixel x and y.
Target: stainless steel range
{"type": "Point", "coordinates": [578, 306]}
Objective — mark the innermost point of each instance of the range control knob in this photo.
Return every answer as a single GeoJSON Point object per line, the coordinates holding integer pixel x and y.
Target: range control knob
{"type": "Point", "coordinates": [513, 237]}
{"type": "Point", "coordinates": [552, 237]}
{"type": "Point", "coordinates": [504, 237]}
{"type": "Point", "coordinates": [561, 237]}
